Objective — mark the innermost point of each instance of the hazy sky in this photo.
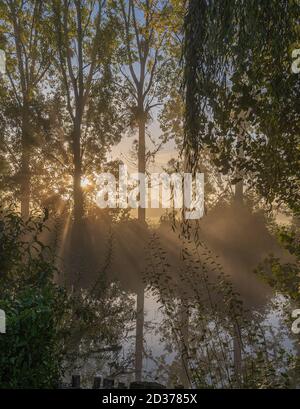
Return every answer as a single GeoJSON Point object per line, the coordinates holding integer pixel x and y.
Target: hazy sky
{"type": "Point", "coordinates": [167, 152]}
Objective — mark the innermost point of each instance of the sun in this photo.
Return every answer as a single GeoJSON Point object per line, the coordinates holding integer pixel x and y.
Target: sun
{"type": "Point", "coordinates": [85, 182]}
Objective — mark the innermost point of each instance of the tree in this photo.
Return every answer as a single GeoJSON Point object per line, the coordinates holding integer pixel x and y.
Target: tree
{"type": "Point", "coordinates": [84, 42]}
{"type": "Point", "coordinates": [144, 35]}
{"type": "Point", "coordinates": [241, 96]}
{"type": "Point", "coordinates": [234, 67]}
{"type": "Point", "coordinates": [28, 59]}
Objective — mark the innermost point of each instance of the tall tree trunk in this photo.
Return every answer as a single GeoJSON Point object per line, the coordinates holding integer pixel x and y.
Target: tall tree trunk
{"type": "Point", "coordinates": [25, 165]}
{"type": "Point", "coordinates": [239, 187]}
{"type": "Point", "coordinates": [78, 194]}
{"type": "Point", "coordinates": [239, 197]}
{"type": "Point", "coordinates": [78, 237]}
{"type": "Point", "coordinates": [142, 162]}
{"type": "Point", "coordinates": [25, 184]}
{"type": "Point", "coordinates": [139, 344]}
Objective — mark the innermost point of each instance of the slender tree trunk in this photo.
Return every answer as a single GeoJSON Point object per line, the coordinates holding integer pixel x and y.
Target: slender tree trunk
{"type": "Point", "coordinates": [25, 184]}
{"type": "Point", "coordinates": [78, 194]}
{"type": "Point", "coordinates": [239, 187]}
{"type": "Point", "coordinates": [78, 238]}
{"type": "Point", "coordinates": [139, 344]}
{"type": "Point", "coordinates": [25, 165]}
{"type": "Point", "coordinates": [142, 162]}
{"type": "Point", "coordinates": [239, 192]}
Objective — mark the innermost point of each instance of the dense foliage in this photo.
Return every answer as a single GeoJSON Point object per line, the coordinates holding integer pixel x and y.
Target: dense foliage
{"type": "Point", "coordinates": [241, 94]}
{"type": "Point", "coordinates": [50, 328]}
{"type": "Point", "coordinates": [32, 347]}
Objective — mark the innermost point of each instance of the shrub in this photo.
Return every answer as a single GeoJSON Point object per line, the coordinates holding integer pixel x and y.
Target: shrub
{"type": "Point", "coordinates": [31, 349]}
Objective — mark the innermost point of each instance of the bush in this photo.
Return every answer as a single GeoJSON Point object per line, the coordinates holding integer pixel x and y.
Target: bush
{"type": "Point", "coordinates": [31, 349]}
{"type": "Point", "coordinates": [50, 330]}
{"type": "Point", "coordinates": [31, 352]}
